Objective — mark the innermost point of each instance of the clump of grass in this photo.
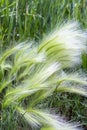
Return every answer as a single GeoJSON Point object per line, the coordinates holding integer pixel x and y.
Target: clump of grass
{"type": "Point", "coordinates": [31, 74]}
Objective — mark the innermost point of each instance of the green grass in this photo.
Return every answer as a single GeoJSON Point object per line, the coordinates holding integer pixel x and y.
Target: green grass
{"type": "Point", "coordinates": [31, 20]}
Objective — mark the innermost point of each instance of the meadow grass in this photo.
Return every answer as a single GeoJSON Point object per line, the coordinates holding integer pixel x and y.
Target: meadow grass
{"type": "Point", "coordinates": [21, 19]}
{"type": "Point", "coordinates": [33, 19]}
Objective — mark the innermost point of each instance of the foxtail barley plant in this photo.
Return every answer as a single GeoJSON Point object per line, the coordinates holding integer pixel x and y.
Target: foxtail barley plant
{"type": "Point", "coordinates": [34, 73]}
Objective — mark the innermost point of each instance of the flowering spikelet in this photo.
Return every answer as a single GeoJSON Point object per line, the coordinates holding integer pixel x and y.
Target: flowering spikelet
{"type": "Point", "coordinates": [65, 44]}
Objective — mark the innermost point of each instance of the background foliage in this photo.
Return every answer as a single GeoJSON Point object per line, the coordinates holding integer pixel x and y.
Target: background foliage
{"type": "Point", "coordinates": [21, 19]}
